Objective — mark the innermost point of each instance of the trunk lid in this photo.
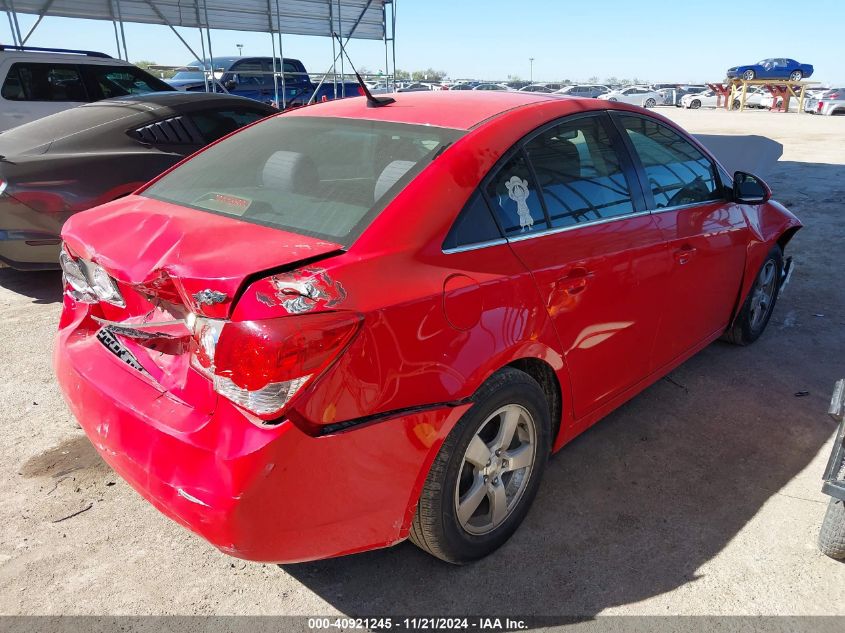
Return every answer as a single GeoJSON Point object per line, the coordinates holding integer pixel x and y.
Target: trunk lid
{"type": "Point", "coordinates": [196, 258]}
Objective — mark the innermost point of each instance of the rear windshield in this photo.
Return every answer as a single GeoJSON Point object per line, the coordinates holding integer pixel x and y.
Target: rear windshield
{"type": "Point", "coordinates": [318, 176]}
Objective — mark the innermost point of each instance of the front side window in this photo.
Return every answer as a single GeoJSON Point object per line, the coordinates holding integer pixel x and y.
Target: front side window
{"type": "Point", "coordinates": [677, 172]}
{"type": "Point", "coordinates": [44, 82]}
{"type": "Point", "coordinates": [515, 198]}
{"type": "Point", "coordinates": [122, 81]}
{"type": "Point", "coordinates": [318, 176]}
{"type": "Point", "coordinates": [580, 173]}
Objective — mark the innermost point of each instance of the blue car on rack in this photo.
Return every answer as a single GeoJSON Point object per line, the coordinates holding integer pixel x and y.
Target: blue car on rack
{"type": "Point", "coordinates": [774, 68]}
{"type": "Point", "coordinates": [252, 77]}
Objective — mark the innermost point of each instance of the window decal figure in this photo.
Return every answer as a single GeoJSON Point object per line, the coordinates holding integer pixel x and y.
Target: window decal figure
{"type": "Point", "coordinates": [518, 192]}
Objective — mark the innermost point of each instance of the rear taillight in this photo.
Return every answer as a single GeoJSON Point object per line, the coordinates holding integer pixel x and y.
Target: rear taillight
{"type": "Point", "coordinates": [835, 95]}
{"type": "Point", "coordinates": [262, 365]}
{"type": "Point", "coordinates": [88, 282]}
{"type": "Point", "coordinates": [820, 106]}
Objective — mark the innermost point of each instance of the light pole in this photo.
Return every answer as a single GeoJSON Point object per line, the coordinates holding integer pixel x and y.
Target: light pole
{"type": "Point", "coordinates": [240, 49]}
{"type": "Point", "coordinates": [531, 72]}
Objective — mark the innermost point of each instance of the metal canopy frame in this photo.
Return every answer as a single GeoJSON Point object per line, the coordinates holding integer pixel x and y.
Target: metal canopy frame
{"type": "Point", "coordinates": [349, 19]}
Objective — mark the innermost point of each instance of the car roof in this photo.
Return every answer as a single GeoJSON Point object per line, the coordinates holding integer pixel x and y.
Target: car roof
{"type": "Point", "coordinates": [172, 98]}
{"type": "Point", "coordinates": [68, 58]}
{"type": "Point", "coordinates": [461, 109]}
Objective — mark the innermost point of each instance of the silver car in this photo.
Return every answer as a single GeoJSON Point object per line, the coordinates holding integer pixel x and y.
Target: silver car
{"type": "Point", "coordinates": [831, 102]}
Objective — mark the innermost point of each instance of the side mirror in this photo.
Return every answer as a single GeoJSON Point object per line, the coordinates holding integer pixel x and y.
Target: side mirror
{"type": "Point", "coordinates": [749, 189]}
{"type": "Point", "coordinates": [231, 84]}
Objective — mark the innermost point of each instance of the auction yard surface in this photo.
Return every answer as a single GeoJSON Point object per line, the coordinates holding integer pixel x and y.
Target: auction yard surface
{"type": "Point", "coordinates": [700, 496]}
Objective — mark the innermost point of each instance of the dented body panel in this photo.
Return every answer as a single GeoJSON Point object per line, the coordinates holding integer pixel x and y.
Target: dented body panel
{"type": "Point", "coordinates": [340, 469]}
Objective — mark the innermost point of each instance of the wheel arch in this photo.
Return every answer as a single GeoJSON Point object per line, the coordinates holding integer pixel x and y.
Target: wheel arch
{"type": "Point", "coordinates": [546, 377]}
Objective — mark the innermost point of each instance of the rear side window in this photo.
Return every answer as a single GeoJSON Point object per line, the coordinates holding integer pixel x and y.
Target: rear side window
{"type": "Point", "coordinates": [677, 172]}
{"type": "Point", "coordinates": [44, 82]}
{"type": "Point", "coordinates": [515, 198]}
{"type": "Point", "coordinates": [475, 225]}
{"type": "Point", "coordinates": [250, 73]}
{"type": "Point", "coordinates": [120, 81]}
{"type": "Point", "coordinates": [319, 176]}
{"type": "Point", "coordinates": [215, 124]}
{"type": "Point", "coordinates": [579, 173]}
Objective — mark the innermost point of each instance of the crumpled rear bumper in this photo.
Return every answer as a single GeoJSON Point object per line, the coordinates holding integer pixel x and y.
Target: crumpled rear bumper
{"type": "Point", "coordinates": [267, 494]}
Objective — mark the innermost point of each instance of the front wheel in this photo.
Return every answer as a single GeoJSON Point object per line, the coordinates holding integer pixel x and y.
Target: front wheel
{"type": "Point", "coordinates": [650, 103]}
{"type": "Point", "coordinates": [695, 104]}
{"type": "Point", "coordinates": [796, 75]}
{"type": "Point", "coordinates": [760, 302]}
{"type": "Point", "coordinates": [832, 534]}
{"type": "Point", "coordinates": [748, 75]}
{"type": "Point", "coordinates": [487, 472]}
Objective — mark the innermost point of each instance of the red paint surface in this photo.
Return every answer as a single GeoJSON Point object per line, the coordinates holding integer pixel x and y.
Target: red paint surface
{"type": "Point", "coordinates": [610, 308]}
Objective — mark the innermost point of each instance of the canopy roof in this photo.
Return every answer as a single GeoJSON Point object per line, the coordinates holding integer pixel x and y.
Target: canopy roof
{"type": "Point", "coordinates": [360, 19]}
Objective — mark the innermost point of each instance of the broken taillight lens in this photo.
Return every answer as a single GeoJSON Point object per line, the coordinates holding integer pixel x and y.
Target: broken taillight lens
{"type": "Point", "coordinates": [262, 365]}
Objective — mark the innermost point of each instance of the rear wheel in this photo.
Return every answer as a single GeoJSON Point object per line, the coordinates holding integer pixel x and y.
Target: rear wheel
{"type": "Point", "coordinates": [832, 534]}
{"type": "Point", "coordinates": [796, 75]}
{"type": "Point", "coordinates": [487, 472]}
{"type": "Point", "coordinates": [760, 302]}
{"type": "Point", "coordinates": [650, 103]}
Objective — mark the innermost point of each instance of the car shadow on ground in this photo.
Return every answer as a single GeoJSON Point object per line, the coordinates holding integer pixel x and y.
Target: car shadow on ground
{"type": "Point", "coordinates": [42, 286]}
{"type": "Point", "coordinates": [638, 504]}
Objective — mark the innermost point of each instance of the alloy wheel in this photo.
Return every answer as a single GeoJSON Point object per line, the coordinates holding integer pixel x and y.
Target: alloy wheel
{"type": "Point", "coordinates": [496, 469]}
{"type": "Point", "coordinates": [763, 294]}
{"type": "Point", "coordinates": [796, 75]}
{"type": "Point", "coordinates": [748, 75]}
{"type": "Point", "coordinates": [650, 103]}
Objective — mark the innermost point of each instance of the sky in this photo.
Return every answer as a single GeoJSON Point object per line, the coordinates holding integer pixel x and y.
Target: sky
{"type": "Point", "coordinates": [651, 40]}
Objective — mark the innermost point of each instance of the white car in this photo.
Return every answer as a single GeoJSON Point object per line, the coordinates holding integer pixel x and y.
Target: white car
{"type": "Point", "coordinates": [635, 95]}
{"type": "Point", "coordinates": [768, 100]}
{"type": "Point", "coordinates": [37, 82]}
{"type": "Point", "coordinates": [831, 102]}
{"type": "Point", "coordinates": [754, 96]}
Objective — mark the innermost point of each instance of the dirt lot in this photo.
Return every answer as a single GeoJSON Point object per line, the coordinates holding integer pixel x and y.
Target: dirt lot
{"type": "Point", "coordinates": [700, 496]}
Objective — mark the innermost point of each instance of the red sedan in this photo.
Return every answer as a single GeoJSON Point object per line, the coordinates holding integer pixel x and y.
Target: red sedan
{"type": "Point", "coordinates": [347, 325]}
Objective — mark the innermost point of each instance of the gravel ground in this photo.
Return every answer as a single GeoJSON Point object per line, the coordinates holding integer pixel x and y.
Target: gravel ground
{"type": "Point", "coordinates": [700, 496]}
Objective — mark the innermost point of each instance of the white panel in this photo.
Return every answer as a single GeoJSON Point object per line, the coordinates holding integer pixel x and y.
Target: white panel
{"type": "Point", "coordinates": [299, 17]}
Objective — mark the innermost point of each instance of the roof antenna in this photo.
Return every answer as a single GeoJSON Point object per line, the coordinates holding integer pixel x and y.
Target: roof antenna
{"type": "Point", "coordinates": [372, 102]}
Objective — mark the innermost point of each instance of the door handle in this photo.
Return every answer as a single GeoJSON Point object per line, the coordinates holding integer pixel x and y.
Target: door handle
{"type": "Point", "coordinates": [576, 280]}
{"type": "Point", "coordinates": [685, 253]}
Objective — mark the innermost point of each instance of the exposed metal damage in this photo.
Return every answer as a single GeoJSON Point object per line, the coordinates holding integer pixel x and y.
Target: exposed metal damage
{"type": "Point", "coordinates": [305, 290]}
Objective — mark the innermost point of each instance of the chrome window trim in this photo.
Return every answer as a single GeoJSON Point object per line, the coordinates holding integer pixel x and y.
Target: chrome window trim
{"type": "Point", "coordinates": [474, 247]}
{"type": "Point", "coordinates": [678, 207]}
{"type": "Point", "coordinates": [545, 232]}
{"type": "Point", "coordinates": [580, 225]}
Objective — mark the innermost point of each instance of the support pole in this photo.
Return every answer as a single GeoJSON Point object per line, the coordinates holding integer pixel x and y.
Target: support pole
{"type": "Point", "coordinates": [213, 79]}
{"type": "Point", "coordinates": [32, 30]}
{"type": "Point", "coordinates": [273, 43]}
{"type": "Point", "coordinates": [202, 45]}
{"type": "Point", "coordinates": [342, 67]}
{"type": "Point", "coordinates": [384, 31]}
{"type": "Point", "coordinates": [15, 21]}
{"type": "Point", "coordinates": [122, 32]}
{"type": "Point", "coordinates": [281, 54]}
{"type": "Point", "coordinates": [12, 29]}
{"type": "Point", "coordinates": [334, 51]}
{"type": "Point", "coordinates": [393, 38]}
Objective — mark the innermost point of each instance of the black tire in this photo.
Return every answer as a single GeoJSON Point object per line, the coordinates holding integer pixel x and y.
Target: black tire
{"type": "Point", "coordinates": [749, 75]}
{"type": "Point", "coordinates": [736, 104]}
{"type": "Point", "coordinates": [436, 528]}
{"type": "Point", "coordinates": [796, 75]}
{"type": "Point", "coordinates": [747, 326]}
{"type": "Point", "coordinates": [832, 534]}
{"type": "Point", "coordinates": [695, 104]}
{"type": "Point", "coordinates": [649, 103]}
